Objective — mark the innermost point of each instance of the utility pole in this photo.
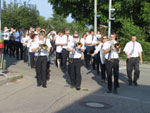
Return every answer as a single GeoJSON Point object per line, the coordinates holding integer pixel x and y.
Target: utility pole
{"type": "Point", "coordinates": [112, 14]}
{"type": "Point", "coordinates": [109, 18]}
{"type": "Point", "coordinates": [95, 17]}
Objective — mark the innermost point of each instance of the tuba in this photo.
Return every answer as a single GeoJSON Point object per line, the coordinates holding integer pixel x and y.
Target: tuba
{"type": "Point", "coordinates": [103, 29]}
{"type": "Point", "coordinates": [48, 30]}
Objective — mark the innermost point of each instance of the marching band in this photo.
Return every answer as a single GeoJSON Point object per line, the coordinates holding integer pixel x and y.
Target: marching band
{"type": "Point", "coordinates": [36, 47]}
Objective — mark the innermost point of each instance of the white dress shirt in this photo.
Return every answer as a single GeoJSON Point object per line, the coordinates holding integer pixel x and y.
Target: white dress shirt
{"type": "Point", "coordinates": [33, 44]}
{"type": "Point", "coordinates": [100, 48]}
{"type": "Point", "coordinates": [82, 40]}
{"type": "Point", "coordinates": [6, 35]}
{"type": "Point", "coordinates": [25, 40]}
{"type": "Point", "coordinates": [58, 41]}
{"type": "Point", "coordinates": [70, 46]}
{"type": "Point", "coordinates": [113, 54]}
{"type": "Point", "coordinates": [133, 49]}
{"type": "Point", "coordinates": [90, 39]}
{"type": "Point", "coordinates": [65, 39]}
{"type": "Point", "coordinates": [77, 53]}
{"type": "Point", "coordinates": [42, 51]}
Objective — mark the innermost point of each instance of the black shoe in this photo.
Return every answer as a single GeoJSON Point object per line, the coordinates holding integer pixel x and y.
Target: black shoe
{"type": "Point", "coordinates": [109, 91]}
{"type": "Point", "coordinates": [135, 83]}
{"type": "Point", "coordinates": [44, 86]}
{"type": "Point", "coordinates": [115, 91]}
{"type": "Point", "coordinates": [102, 80]}
{"type": "Point", "coordinates": [118, 86]}
{"type": "Point", "coordinates": [88, 68]}
{"type": "Point", "coordinates": [78, 88]}
{"type": "Point", "coordinates": [97, 73]}
{"type": "Point", "coordinates": [71, 86]}
{"type": "Point", "coordinates": [94, 68]}
{"type": "Point", "coordinates": [64, 71]}
{"type": "Point", "coordinates": [130, 83]}
{"type": "Point", "coordinates": [38, 85]}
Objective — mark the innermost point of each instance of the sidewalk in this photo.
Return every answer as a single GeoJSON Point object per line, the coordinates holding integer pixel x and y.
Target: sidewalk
{"type": "Point", "coordinates": [10, 77]}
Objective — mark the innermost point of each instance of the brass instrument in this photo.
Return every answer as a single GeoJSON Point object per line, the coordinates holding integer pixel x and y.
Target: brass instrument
{"type": "Point", "coordinates": [48, 30]}
{"type": "Point", "coordinates": [115, 44]}
{"type": "Point", "coordinates": [44, 46]}
{"type": "Point", "coordinates": [103, 30]}
{"type": "Point", "coordinates": [79, 44]}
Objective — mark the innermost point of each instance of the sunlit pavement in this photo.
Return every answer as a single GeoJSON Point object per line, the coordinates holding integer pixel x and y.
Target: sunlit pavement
{"type": "Point", "coordinates": [23, 96]}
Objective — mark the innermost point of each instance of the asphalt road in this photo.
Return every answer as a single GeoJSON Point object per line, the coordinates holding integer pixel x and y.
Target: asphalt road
{"type": "Point", "coordinates": [23, 96]}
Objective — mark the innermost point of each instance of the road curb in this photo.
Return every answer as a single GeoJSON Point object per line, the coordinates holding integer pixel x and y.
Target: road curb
{"type": "Point", "coordinates": [11, 78]}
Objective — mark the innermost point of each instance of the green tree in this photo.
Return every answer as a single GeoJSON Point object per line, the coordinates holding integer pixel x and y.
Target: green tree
{"type": "Point", "coordinates": [60, 24]}
{"type": "Point", "coordinates": [133, 17]}
{"type": "Point", "coordinates": [15, 15]}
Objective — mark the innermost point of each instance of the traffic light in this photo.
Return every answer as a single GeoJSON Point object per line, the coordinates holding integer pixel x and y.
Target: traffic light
{"type": "Point", "coordinates": [112, 14]}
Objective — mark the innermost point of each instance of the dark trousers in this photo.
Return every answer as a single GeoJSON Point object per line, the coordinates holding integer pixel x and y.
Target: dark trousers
{"type": "Point", "coordinates": [59, 57]}
{"type": "Point", "coordinates": [70, 70]}
{"type": "Point", "coordinates": [88, 60]}
{"type": "Point", "coordinates": [21, 50]}
{"type": "Point", "coordinates": [53, 48]}
{"type": "Point", "coordinates": [65, 54]}
{"type": "Point", "coordinates": [96, 60]}
{"type": "Point", "coordinates": [25, 56]}
{"type": "Point", "coordinates": [41, 70]}
{"type": "Point", "coordinates": [103, 71]}
{"type": "Point", "coordinates": [133, 63]}
{"type": "Point", "coordinates": [76, 72]}
{"type": "Point", "coordinates": [12, 48]}
{"type": "Point", "coordinates": [6, 46]}
{"type": "Point", "coordinates": [17, 49]}
{"type": "Point", "coordinates": [32, 59]}
{"type": "Point", "coordinates": [85, 57]}
{"type": "Point", "coordinates": [112, 68]}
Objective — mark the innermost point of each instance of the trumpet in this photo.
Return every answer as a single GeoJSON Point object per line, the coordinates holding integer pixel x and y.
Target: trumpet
{"type": "Point", "coordinates": [79, 44]}
{"type": "Point", "coordinates": [44, 46]}
{"type": "Point", "coordinates": [115, 44]}
{"type": "Point", "coordinates": [48, 30]}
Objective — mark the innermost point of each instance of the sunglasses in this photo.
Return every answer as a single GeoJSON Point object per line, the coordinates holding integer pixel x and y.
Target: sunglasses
{"type": "Point", "coordinates": [75, 36]}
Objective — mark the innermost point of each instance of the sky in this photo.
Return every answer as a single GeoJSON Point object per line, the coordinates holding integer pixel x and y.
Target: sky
{"type": "Point", "coordinates": [43, 6]}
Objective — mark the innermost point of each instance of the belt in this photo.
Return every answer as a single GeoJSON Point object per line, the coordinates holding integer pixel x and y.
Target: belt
{"type": "Point", "coordinates": [134, 57]}
{"type": "Point", "coordinates": [115, 58]}
{"type": "Point", "coordinates": [76, 58]}
{"type": "Point", "coordinates": [42, 56]}
{"type": "Point", "coordinates": [65, 48]}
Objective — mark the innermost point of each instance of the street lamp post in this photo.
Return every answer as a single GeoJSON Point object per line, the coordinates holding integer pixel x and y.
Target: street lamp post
{"type": "Point", "coordinates": [95, 17]}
